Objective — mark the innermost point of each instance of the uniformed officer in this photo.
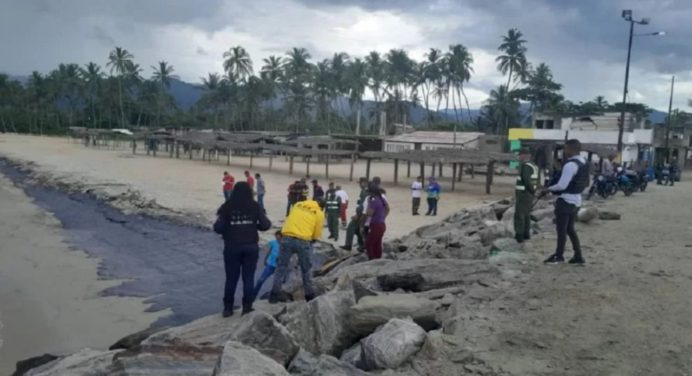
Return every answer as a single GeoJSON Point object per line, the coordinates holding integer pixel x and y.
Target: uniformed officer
{"type": "Point", "coordinates": [332, 208]}
{"type": "Point", "coordinates": [525, 189]}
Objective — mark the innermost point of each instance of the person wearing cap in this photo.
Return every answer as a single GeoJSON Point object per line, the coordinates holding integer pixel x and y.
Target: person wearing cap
{"type": "Point", "coordinates": [377, 212]}
{"type": "Point", "coordinates": [525, 189]}
{"type": "Point", "coordinates": [433, 190]}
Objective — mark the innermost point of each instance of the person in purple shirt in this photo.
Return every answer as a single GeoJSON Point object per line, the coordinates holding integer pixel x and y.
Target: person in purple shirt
{"type": "Point", "coordinates": [433, 190]}
{"type": "Point", "coordinates": [377, 212]}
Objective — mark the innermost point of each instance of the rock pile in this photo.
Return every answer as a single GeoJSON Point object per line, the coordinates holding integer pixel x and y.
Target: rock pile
{"type": "Point", "coordinates": [395, 313]}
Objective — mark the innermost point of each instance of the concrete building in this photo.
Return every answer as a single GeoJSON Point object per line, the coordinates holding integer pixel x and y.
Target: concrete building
{"type": "Point", "coordinates": [430, 140]}
{"type": "Point", "coordinates": [637, 144]}
{"type": "Point", "coordinates": [607, 121]}
{"type": "Point", "coordinates": [679, 143]}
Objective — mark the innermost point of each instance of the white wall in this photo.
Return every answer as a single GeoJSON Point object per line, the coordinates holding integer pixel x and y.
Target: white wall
{"type": "Point", "coordinates": [639, 136]}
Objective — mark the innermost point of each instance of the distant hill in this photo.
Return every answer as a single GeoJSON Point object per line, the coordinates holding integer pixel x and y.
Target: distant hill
{"type": "Point", "coordinates": [187, 94]}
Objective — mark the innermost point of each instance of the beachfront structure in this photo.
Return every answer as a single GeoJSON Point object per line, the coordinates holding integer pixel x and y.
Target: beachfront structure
{"type": "Point", "coordinates": [637, 144]}
{"type": "Point", "coordinates": [428, 140]}
{"type": "Point", "coordinates": [607, 121]}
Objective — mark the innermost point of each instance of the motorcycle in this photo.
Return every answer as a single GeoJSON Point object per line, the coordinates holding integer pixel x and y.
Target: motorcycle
{"type": "Point", "coordinates": [602, 186]}
{"type": "Point", "coordinates": [639, 180]}
{"type": "Point", "coordinates": [624, 183]}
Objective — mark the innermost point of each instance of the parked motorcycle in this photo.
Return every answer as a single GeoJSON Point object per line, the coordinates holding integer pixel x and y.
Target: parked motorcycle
{"type": "Point", "coordinates": [624, 184]}
{"type": "Point", "coordinates": [602, 186]}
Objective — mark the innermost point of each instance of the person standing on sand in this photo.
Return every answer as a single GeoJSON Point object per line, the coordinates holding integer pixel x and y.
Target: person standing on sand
{"type": "Point", "coordinates": [353, 226]}
{"type": "Point", "coordinates": [525, 189]}
{"type": "Point", "coordinates": [433, 196]}
{"type": "Point", "coordinates": [303, 227]}
{"type": "Point", "coordinates": [228, 182]}
{"type": "Point", "coordinates": [416, 188]}
{"type": "Point", "coordinates": [250, 180]}
{"type": "Point", "coordinates": [273, 250]}
{"type": "Point", "coordinates": [317, 191]}
{"type": "Point", "coordinates": [574, 178]}
{"type": "Point", "coordinates": [238, 220]}
{"type": "Point", "coordinates": [261, 190]}
{"type": "Point", "coordinates": [377, 212]}
{"type": "Point", "coordinates": [332, 208]}
{"type": "Point", "coordinates": [344, 204]}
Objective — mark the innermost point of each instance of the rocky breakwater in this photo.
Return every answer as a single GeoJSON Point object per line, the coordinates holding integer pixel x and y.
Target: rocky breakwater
{"type": "Point", "coordinates": [418, 311]}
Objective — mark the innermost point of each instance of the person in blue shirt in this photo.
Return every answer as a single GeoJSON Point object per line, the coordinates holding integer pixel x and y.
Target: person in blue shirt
{"type": "Point", "coordinates": [270, 260]}
{"type": "Point", "coordinates": [433, 190]}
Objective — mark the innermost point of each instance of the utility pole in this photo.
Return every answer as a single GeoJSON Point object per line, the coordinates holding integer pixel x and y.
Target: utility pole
{"type": "Point", "coordinates": [670, 119]}
{"type": "Point", "coordinates": [621, 128]}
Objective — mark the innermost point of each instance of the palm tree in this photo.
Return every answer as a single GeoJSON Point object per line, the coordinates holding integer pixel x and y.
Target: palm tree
{"type": "Point", "coordinates": [92, 75]}
{"type": "Point", "coordinates": [237, 63]}
{"type": "Point", "coordinates": [357, 83]}
{"type": "Point", "coordinates": [297, 79]}
{"type": "Point", "coordinates": [504, 106]}
{"type": "Point", "coordinates": [339, 66]}
{"type": "Point", "coordinates": [399, 68]}
{"type": "Point", "coordinates": [212, 84]}
{"type": "Point", "coordinates": [273, 75]}
{"type": "Point", "coordinates": [513, 60]}
{"type": "Point", "coordinates": [460, 63]}
{"type": "Point", "coordinates": [119, 60]}
{"type": "Point", "coordinates": [323, 88]}
{"type": "Point", "coordinates": [601, 103]}
{"type": "Point", "coordinates": [162, 76]}
{"type": "Point", "coordinates": [430, 75]}
{"type": "Point", "coordinates": [377, 76]}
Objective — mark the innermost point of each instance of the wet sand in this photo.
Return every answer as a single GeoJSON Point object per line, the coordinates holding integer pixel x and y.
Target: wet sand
{"type": "Point", "coordinates": [194, 186]}
{"type": "Point", "coordinates": [49, 292]}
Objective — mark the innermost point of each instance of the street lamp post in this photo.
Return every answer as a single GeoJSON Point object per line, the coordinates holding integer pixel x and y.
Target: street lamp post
{"type": "Point", "coordinates": [627, 16]}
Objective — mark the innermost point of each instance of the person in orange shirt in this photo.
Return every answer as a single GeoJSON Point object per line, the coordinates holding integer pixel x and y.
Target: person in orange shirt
{"type": "Point", "coordinates": [228, 182]}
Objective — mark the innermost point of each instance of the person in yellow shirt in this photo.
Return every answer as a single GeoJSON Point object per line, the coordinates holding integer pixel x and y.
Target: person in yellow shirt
{"type": "Point", "coordinates": [303, 227]}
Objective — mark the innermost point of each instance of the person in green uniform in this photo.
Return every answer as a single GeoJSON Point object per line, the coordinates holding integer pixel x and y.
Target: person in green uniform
{"type": "Point", "coordinates": [353, 228]}
{"type": "Point", "coordinates": [332, 208]}
{"type": "Point", "coordinates": [525, 189]}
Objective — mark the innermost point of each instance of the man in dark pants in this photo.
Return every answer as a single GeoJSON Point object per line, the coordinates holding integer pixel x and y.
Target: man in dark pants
{"type": "Point", "coordinates": [573, 180]}
{"type": "Point", "coordinates": [524, 192]}
{"type": "Point", "coordinates": [353, 228]}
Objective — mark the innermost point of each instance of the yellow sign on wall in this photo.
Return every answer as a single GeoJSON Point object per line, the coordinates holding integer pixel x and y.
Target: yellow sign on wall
{"type": "Point", "coordinates": [520, 133]}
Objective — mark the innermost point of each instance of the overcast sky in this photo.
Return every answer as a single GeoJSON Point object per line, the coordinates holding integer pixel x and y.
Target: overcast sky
{"type": "Point", "coordinates": [583, 41]}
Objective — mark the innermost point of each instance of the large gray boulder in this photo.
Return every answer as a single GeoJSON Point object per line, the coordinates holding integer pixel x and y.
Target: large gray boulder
{"type": "Point", "coordinates": [86, 362]}
{"type": "Point", "coordinates": [166, 360]}
{"type": "Point", "coordinates": [505, 245]}
{"type": "Point", "coordinates": [392, 344]}
{"type": "Point", "coordinates": [540, 214]}
{"type": "Point", "coordinates": [354, 356]}
{"type": "Point", "coordinates": [240, 360]}
{"type": "Point", "coordinates": [586, 215]}
{"type": "Point", "coordinates": [373, 311]}
{"type": "Point", "coordinates": [262, 332]}
{"type": "Point", "coordinates": [307, 364]}
{"type": "Point", "coordinates": [213, 330]}
{"type": "Point", "coordinates": [322, 326]}
{"type": "Point", "coordinates": [434, 273]}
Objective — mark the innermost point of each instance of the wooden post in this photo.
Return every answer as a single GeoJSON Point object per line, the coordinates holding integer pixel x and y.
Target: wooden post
{"type": "Point", "coordinates": [134, 146]}
{"type": "Point", "coordinates": [408, 169]}
{"type": "Point", "coordinates": [204, 154]}
{"type": "Point", "coordinates": [367, 169]}
{"type": "Point", "coordinates": [177, 150]}
{"type": "Point", "coordinates": [440, 168]}
{"type": "Point", "coordinates": [146, 145]}
{"type": "Point", "coordinates": [454, 175]}
{"type": "Point", "coordinates": [271, 161]}
{"type": "Point", "coordinates": [432, 169]}
{"type": "Point", "coordinates": [228, 157]}
{"type": "Point", "coordinates": [461, 171]}
{"type": "Point", "coordinates": [171, 149]}
{"type": "Point", "coordinates": [290, 165]}
{"type": "Point", "coordinates": [326, 167]}
{"type": "Point", "coordinates": [252, 155]}
{"type": "Point", "coordinates": [489, 176]}
{"type": "Point", "coordinates": [473, 171]}
{"type": "Point", "coordinates": [353, 162]}
{"type": "Point", "coordinates": [396, 171]}
{"type": "Point", "coordinates": [156, 146]}
{"type": "Point", "coordinates": [422, 170]}
{"type": "Point", "coordinates": [307, 166]}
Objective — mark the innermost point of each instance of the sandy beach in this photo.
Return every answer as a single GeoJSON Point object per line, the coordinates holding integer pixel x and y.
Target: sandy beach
{"type": "Point", "coordinates": [194, 186]}
{"type": "Point", "coordinates": [49, 292]}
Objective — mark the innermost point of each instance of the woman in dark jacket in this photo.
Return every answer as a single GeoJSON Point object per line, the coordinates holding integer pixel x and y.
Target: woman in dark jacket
{"type": "Point", "coordinates": [238, 220]}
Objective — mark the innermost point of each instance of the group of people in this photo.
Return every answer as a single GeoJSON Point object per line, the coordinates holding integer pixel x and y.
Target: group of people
{"type": "Point", "coordinates": [239, 219]}
{"type": "Point", "coordinates": [573, 179]}
{"type": "Point", "coordinates": [432, 190]}
{"type": "Point", "coordinates": [256, 184]}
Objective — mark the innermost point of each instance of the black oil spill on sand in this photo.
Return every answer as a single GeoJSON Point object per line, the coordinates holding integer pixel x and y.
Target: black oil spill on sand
{"type": "Point", "coordinates": [175, 266]}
